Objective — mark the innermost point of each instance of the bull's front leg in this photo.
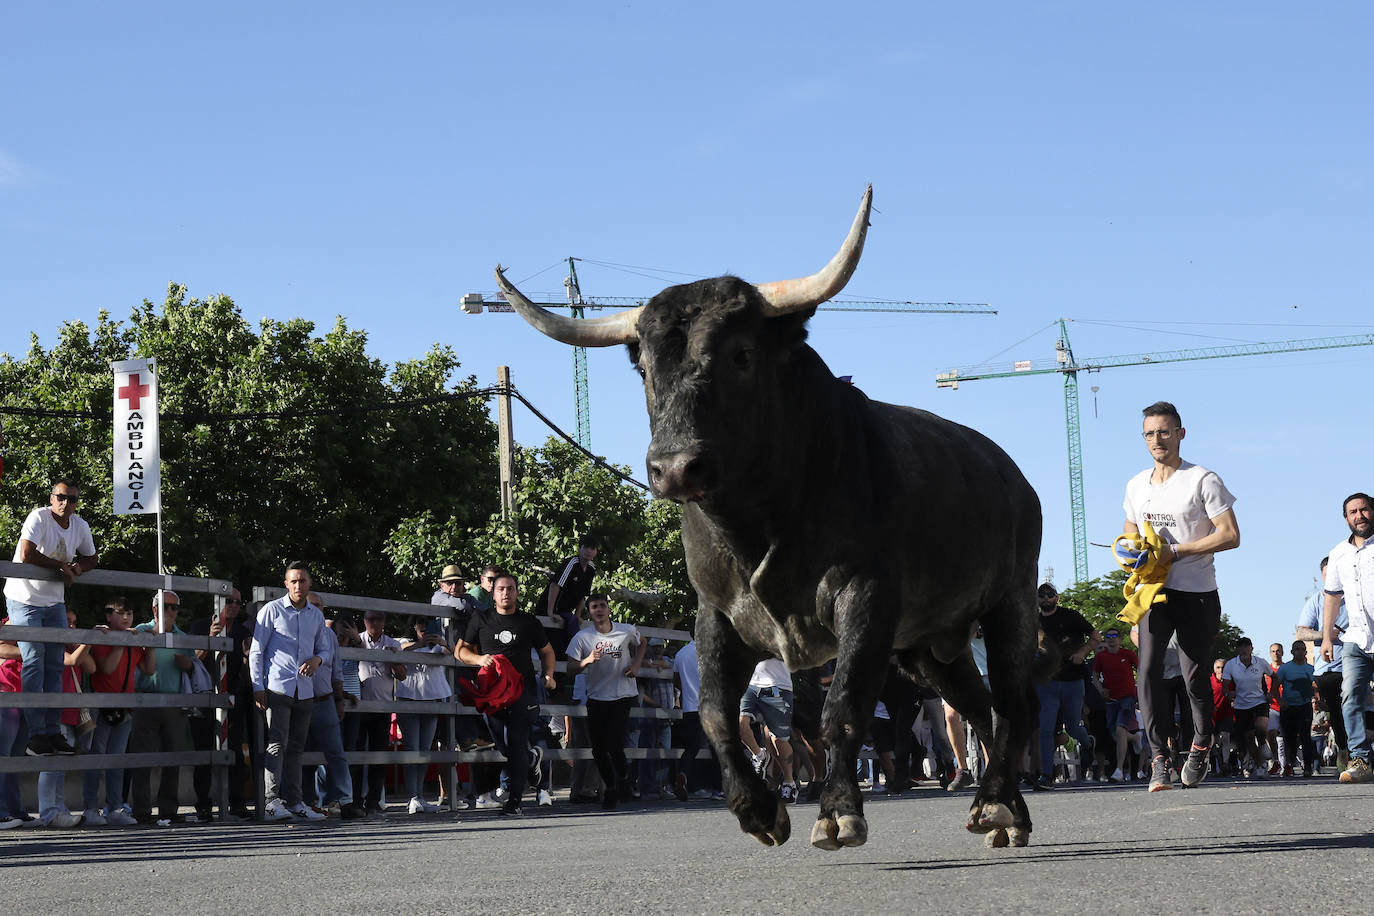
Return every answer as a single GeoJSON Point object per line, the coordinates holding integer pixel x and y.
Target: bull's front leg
{"type": "Point", "coordinates": [726, 664]}
{"type": "Point", "coordinates": [864, 627]}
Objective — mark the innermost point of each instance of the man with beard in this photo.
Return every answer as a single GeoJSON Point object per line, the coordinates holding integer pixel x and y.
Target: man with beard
{"type": "Point", "coordinates": [1350, 566]}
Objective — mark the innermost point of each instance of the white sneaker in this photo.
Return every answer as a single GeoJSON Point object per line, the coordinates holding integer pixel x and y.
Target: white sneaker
{"type": "Point", "coordinates": [64, 820]}
{"type": "Point", "coordinates": [487, 800]}
{"type": "Point", "coordinates": [545, 799]}
{"type": "Point", "coordinates": [420, 806]}
{"type": "Point", "coordinates": [94, 818]}
{"type": "Point", "coordinates": [120, 818]}
{"type": "Point", "coordinates": [305, 812]}
{"type": "Point", "coordinates": [9, 823]}
{"type": "Point", "coordinates": [461, 804]}
{"type": "Point", "coordinates": [1117, 775]}
{"type": "Point", "coordinates": [501, 794]}
{"type": "Point", "coordinates": [703, 794]}
{"type": "Point", "coordinates": [878, 789]}
{"type": "Point", "coordinates": [276, 811]}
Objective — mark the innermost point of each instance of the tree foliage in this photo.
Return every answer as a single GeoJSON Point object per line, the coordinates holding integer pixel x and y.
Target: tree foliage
{"type": "Point", "coordinates": [1100, 599]}
{"type": "Point", "coordinates": [559, 497]}
{"type": "Point", "coordinates": [243, 496]}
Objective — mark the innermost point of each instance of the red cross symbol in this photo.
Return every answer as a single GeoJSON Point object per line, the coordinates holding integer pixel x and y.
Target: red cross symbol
{"type": "Point", "coordinates": [134, 392]}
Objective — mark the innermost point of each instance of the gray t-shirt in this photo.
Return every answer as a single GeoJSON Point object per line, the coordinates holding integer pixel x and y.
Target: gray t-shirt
{"type": "Point", "coordinates": [606, 678]}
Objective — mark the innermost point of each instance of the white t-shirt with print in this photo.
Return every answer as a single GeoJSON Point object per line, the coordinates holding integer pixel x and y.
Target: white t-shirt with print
{"type": "Point", "coordinates": [52, 540]}
{"type": "Point", "coordinates": [606, 678]}
{"type": "Point", "coordinates": [1181, 510]}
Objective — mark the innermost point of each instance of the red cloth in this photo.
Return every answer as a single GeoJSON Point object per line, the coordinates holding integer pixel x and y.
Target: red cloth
{"type": "Point", "coordinates": [496, 687]}
{"type": "Point", "coordinates": [1225, 712]}
{"type": "Point", "coordinates": [1118, 672]}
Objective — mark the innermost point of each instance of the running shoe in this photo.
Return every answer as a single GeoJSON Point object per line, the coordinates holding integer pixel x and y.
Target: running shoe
{"type": "Point", "coordinates": [545, 798]}
{"type": "Point", "coordinates": [680, 786]}
{"type": "Point", "coordinates": [1195, 767]}
{"type": "Point", "coordinates": [305, 812]}
{"type": "Point", "coordinates": [1161, 779]}
{"type": "Point", "coordinates": [94, 818]}
{"type": "Point", "coordinates": [276, 811]}
{"type": "Point", "coordinates": [120, 818]}
{"type": "Point", "coordinates": [788, 792]}
{"type": "Point", "coordinates": [962, 780]}
{"type": "Point", "coordinates": [1358, 771]}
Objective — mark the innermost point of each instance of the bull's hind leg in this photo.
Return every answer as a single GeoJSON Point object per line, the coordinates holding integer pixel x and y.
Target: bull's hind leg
{"type": "Point", "coordinates": [1010, 632]}
{"type": "Point", "coordinates": [865, 643]}
{"type": "Point", "coordinates": [726, 665]}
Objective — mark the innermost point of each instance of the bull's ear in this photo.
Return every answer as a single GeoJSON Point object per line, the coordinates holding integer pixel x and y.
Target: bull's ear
{"type": "Point", "coordinates": [632, 349]}
{"type": "Point", "coordinates": [792, 328]}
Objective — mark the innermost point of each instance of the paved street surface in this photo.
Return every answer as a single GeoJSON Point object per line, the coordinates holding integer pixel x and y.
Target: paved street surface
{"type": "Point", "coordinates": [1230, 847]}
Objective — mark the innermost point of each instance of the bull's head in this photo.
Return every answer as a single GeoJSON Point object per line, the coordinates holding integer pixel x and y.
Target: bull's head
{"type": "Point", "coordinates": [715, 357]}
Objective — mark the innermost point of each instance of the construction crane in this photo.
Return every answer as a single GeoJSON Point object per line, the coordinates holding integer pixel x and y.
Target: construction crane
{"type": "Point", "coordinates": [474, 303]}
{"type": "Point", "coordinates": [1067, 365]}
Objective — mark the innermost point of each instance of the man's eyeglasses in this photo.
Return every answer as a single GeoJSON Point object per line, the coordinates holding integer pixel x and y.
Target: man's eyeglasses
{"type": "Point", "coordinates": [1163, 435]}
{"type": "Point", "coordinates": [66, 497]}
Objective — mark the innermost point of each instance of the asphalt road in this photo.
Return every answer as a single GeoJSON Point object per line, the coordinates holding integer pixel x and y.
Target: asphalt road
{"type": "Point", "coordinates": [1230, 847]}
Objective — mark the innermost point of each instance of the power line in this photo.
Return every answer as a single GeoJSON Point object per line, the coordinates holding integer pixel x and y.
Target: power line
{"type": "Point", "coordinates": [352, 409]}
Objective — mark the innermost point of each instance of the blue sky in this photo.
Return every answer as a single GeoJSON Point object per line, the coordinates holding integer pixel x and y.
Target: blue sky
{"type": "Point", "coordinates": [1172, 175]}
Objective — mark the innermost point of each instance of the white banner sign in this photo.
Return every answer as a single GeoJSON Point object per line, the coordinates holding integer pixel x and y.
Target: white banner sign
{"type": "Point", "coordinates": [137, 460]}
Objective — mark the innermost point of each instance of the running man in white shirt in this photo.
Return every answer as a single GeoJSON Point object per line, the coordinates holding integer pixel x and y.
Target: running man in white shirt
{"type": "Point", "coordinates": [1190, 509]}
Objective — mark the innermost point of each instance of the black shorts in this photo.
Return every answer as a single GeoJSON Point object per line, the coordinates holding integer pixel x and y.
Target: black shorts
{"type": "Point", "coordinates": [884, 735]}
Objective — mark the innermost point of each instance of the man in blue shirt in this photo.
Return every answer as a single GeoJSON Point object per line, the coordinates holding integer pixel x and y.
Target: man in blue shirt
{"type": "Point", "coordinates": [289, 645]}
{"type": "Point", "coordinates": [1291, 686]}
{"type": "Point", "coordinates": [1328, 674]}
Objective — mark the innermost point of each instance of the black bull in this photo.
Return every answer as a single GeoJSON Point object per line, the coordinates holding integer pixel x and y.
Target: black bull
{"type": "Point", "coordinates": [819, 524]}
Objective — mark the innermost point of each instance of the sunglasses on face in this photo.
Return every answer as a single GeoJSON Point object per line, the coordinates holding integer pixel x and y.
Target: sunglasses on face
{"type": "Point", "coordinates": [66, 497]}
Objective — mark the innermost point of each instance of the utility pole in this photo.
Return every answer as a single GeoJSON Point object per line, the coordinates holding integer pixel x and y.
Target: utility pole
{"type": "Point", "coordinates": [505, 443]}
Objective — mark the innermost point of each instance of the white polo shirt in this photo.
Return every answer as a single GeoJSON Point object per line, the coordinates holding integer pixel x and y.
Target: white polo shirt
{"type": "Point", "coordinates": [1350, 573]}
{"type": "Point", "coordinates": [1249, 681]}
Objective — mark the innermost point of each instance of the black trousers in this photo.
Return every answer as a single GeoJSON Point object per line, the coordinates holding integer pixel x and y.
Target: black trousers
{"type": "Point", "coordinates": [1295, 724]}
{"type": "Point", "coordinates": [510, 730]}
{"type": "Point", "coordinates": [1195, 617]}
{"type": "Point", "coordinates": [374, 734]}
{"type": "Point", "coordinates": [1329, 689]}
{"type": "Point", "coordinates": [606, 721]}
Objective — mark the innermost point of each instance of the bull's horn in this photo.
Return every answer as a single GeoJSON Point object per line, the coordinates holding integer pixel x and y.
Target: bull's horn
{"type": "Point", "coordinates": [788, 296]}
{"type": "Point", "coordinates": [590, 332]}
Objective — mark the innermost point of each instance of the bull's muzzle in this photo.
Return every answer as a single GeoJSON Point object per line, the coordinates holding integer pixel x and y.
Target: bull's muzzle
{"type": "Point", "coordinates": [682, 476]}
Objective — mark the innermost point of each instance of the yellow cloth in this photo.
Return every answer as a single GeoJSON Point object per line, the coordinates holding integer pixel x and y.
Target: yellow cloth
{"type": "Point", "coordinates": [1142, 589]}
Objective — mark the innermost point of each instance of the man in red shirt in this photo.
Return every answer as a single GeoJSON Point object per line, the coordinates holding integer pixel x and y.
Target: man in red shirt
{"type": "Point", "coordinates": [1223, 719]}
{"type": "Point", "coordinates": [1114, 676]}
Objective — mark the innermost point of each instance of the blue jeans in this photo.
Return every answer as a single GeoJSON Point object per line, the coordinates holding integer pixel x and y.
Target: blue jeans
{"type": "Point", "coordinates": [327, 737]}
{"type": "Point", "coordinates": [52, 784]}
{"type": "Point", "coordinates": [14, 736]}
{"type": "Point", "coordinates": [1118, 711]}
{"type": "Point", "coordinates": [417, 734]}
{"type": "Point", "coordinates": [654, 733]}
{"type": "Point", "coordinates": [42, 662]}
{"type": "Point", "coordinates": [1060, 700]}
{"type": "Point", "coordinates": [107, 739]}
{"type": "Point", "coordinates": [1356, 667]}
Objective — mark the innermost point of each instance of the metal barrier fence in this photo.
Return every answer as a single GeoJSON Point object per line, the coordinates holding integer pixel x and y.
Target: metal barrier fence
{"type": "Point", "coordinates": [452, 707]}
{"type": "Point", "coordinates": [122, 579]}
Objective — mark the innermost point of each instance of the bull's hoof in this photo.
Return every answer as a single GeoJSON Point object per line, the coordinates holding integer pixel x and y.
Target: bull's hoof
{"type": "Point", "coordinates": [996, 839]}
{"type": "Point", "coordinates": [990, 816]}
{"type": "Point", "coordinates": [774, 834]}
{"type": "Point", "coordinates": [835, 833]}
{"type": "Point", "coordinates": [1019, 836]}
{"type": "Point", "coordinates": [825, 834]}
{"type": "Point", "coordinates": [853, 830]}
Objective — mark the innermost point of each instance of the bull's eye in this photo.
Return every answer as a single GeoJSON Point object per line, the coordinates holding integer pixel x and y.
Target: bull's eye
{"type": "Point", "coordinates": [744, 359]}
{"type": "Point", "coordinates": [640, 370]}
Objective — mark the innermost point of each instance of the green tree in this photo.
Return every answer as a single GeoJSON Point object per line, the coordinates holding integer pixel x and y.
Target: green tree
{"type": "Point", "coordinates": [1100, 599]}
{"type": "Point", "coordinates": [243, 496]}
{"type": "Point", "coordinates": [560, 496]}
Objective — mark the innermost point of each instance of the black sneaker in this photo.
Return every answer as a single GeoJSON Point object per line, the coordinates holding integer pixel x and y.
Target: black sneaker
{"type": "Point", "coordinates": [813, 790]}
{"type": "Point", "coordinates": [680, 787]}
{"type": "Point", "coordinates": [40, 746]}
{"type": "Point", "coordinates": [512, 809]}
{"type": "Point", "coordinates": [1194, 768]}
{"type": "Point", "coordinates": [1043, 784]}
{"type": "Point", "coordinates": [608, 799]}
{"type": "Point", "coordinates": [60, 746]}
{"type": "Point", "coordinates": [351, 812]}
{"type": "Point", "coordinates": [536, 762]}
